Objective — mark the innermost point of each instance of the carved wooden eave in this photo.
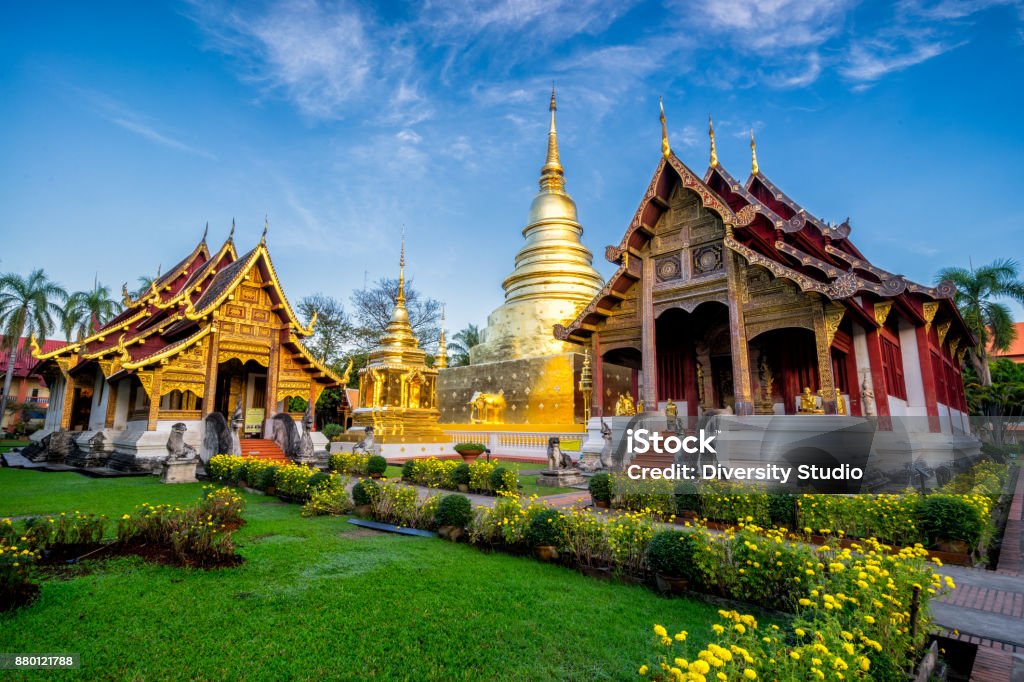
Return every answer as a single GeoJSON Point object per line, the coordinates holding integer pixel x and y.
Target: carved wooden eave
{"type": "Point", "coordinates": [716, 175]}
{"type": "Point", "coordinates": [318, 371]}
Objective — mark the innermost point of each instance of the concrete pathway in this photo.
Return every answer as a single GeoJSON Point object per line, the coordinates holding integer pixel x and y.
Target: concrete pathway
{"type": "Point", "coordinates": [987, 607]}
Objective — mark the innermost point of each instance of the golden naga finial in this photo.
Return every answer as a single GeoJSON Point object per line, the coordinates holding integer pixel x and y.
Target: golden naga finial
{"type": "Point", "coordinates": [665, 148]}
{"type": "Point", "coordinates": [308, 330]}
{"type": "Point", "coordinates": [711, 134]}
{"type": "Point", "coordinates": [126, 298]}
{"type": "Point", "coordinates": [231, 234]}
{"type": "Point", "coordinates": [753, 154]}
{"type": "Point", "coordinates": [206, 231]}
{"type": "Point", "coordinates": [266, 226]}
{"type": "Point", "coordinates": [347, 374]}
{"type": "Point", "coordinates": [36, 351]}
{"type": "Point", "coordinates": [125, 357]}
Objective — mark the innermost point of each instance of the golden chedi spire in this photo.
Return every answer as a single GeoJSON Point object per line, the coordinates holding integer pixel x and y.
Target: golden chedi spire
{"type": "Point", "coordinates": [666, 150]}
{"type": "Point", "coordinates": [553, 275]}
{"type": "Point", "coordinates": [711, 134]}
{"type": "Point", "coordinates": [399, 332]}
{"type": "Point", "coordinates": [441, 361]}
{"type": "Point", "coordinates": [753, 154]}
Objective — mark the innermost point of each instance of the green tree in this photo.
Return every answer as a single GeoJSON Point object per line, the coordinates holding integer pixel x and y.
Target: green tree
{"type": "Point", "coordinates": [977, 294]}
{"type": "Point", "coordinates": [87, 311]}
{"type": "Point", "coordinates": [461, 343]}
{"type": "Point", "coordinates": [333, 329]}
{"type": "Point", "coordinates": [28, 307]}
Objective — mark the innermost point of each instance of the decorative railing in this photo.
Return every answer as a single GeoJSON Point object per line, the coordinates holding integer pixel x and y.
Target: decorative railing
{"type": "Point", "coordinates": [517, 443]}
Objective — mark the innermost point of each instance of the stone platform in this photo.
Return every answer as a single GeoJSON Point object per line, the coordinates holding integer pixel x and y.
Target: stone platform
{"type": "Point", "coordinates": [560, 478]}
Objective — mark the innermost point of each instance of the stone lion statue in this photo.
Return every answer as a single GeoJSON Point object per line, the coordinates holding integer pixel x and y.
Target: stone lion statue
{"type": "Point", "coordinates": [556, 458]}
{"type": "Point", "coordinates": [177, 448]}
{"type": "Point", "coordinates": [366, 444]}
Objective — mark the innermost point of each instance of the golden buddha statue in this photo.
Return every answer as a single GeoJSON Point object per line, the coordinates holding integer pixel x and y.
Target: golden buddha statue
{"type": "Point", "coordinates": [809, 403]}
{"type": "Point", "coordinates": [671, 410]}
{"type": "Point", "coordinates": [624, 406]}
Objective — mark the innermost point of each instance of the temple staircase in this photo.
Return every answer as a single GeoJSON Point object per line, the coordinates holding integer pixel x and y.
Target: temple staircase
{"type": "Point", "coordinates": [264, 449]}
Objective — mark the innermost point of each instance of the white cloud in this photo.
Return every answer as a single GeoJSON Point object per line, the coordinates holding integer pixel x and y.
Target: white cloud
{"type": "Point", "coordinates": [320, 57]}
{"type": "Point", "coordinates": [135, 122]}
{"type": "Point", "coordinates": [871, 61]}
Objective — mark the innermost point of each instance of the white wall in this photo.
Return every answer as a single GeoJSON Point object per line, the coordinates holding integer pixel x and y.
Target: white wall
{"type": "Point", "coordinates": [912, 370]}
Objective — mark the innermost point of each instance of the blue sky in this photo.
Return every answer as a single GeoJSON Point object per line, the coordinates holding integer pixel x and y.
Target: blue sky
{"type": "Point", "coordinates": [125, 127]}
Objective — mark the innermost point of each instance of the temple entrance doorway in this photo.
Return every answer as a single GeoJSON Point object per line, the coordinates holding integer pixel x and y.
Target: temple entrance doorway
{"type": "Point", "coordinates": [785, 361]}
{"type": "Point", "coordinates": [631, 359]}
{"type": "Point", "coordinates": [243, 384]}
{"type": "Point", "coordinates": [694, 352]}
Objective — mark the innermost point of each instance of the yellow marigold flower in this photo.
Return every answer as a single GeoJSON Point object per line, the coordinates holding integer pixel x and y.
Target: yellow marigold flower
{"type": "Point", "coordinates": [795, 655]}
{"type": "Point", "coordinates": [865, 663]}
{"type": "Point", "coordinates": [643, 670]}
{"type": "Point", "coordinates": [660, 631]}
{"type": "Point", "coordinates": [700, 667]}
{"type": "Point", "coordinates": [681, 636]}
{"type": "Point", "coordinates": [718, 629]}
{"type": "Point", "coordinates": [739, 628]}
{"type": "Point", "coordinates": [800, 631]}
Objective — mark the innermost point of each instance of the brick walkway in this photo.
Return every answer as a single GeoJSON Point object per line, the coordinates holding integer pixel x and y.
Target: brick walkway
{"type": "Point", "coordinates": [987, 607]}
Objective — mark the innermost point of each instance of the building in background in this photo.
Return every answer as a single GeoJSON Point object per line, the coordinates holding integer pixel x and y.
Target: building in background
{"type": "Point", "coordinates": [28, 390]}
{"type": "Point", "coordinates": [1016, 350]}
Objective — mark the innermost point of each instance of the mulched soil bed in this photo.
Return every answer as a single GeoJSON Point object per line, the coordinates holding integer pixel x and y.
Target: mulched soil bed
{"type": "Point", "coordinates": [61, 555]}
{"type": "Point", "coordinates": [23, 597]}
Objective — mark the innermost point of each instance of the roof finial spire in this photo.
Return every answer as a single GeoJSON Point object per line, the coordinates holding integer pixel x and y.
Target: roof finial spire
{"type": "Point", "coordinates": [231, 234]}
{"type": "Point", "coordinates": [401, 271]}
{"type": "Point", "coordinates": [753, 154]}
{"type": "Point", "coordinates": [711, 134]}
{"type": "Point", "coordinates": [206, 231]}
{"type": "Point", "coordinates": [666, 150]}
{"type": "Point", "coordinates": [552, 174]}
{"type": "Point", "coordinates": [266, 226]}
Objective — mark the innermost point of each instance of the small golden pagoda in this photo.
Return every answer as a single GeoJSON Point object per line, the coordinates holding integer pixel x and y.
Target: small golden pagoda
{"type": "Point", "coordinates": [397, 391]}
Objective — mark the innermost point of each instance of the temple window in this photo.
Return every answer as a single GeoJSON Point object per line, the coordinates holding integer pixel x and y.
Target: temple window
{"type": "Point", "coordinates": [892, 363]}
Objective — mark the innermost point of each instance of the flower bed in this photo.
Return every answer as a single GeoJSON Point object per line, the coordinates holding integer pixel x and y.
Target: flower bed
{"type": "Point", "coordinates": [198, 536]}
{"type": "Point", "coordinates": [444, 473]}
{"type": "Point", "coordinates": [959, 513]}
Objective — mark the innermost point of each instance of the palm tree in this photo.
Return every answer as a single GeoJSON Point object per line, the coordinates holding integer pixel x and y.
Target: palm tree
{"type": "Point", "coordinates": [87, 311]}
{"type": "Point", "coordinates": [458, 347]}
{"type": "Point", "coordinates": [989, 320]}
{"type": "Point", "coordinates": [28, 306]}
{"type": "Point", "coordinates": [144, 285]}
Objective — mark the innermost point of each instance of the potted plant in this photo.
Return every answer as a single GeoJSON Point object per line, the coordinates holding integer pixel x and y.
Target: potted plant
{"type": "Point", "coordinates": [687, 500]}
{"type": "Point", "coordinates": [670, 555]}
{"type": "Point", "coordinates": [461, 477]}
{"type": "Point", "coordinates": [363, 493]}
{"type": "Point", "coordinates": [470, 451]}
{"type": "Point", "coordinates": [453, 515]}
{"type": "Point", "coordinates": [376, 466]}
{"type": "Point", "coordinates": [408, 469]}
{"type": "Point", "coordinates": [546, 533]}
{"type": "Point", "coordinates": [600, 486]}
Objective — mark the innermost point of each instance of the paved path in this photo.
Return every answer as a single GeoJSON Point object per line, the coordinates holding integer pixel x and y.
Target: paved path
{"type": "Point", "coordinates": [987, 607]}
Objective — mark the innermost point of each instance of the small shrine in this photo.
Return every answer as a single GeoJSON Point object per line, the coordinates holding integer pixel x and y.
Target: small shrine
{"type": "Point", "coordinates": [398, 391]}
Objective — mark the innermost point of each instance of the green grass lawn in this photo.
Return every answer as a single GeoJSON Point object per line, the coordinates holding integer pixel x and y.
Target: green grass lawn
{"type": "Point", "coordinates": [7, 445]}
{"type": "Point", "coordinates": [320, 598]}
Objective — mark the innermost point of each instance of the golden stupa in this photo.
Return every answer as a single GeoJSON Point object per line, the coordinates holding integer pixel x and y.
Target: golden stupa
{"type": "Point", "coordinates": [397, 391]}
{"type": "Point", "coordinates": [521, 377]}
{"type": "Point", "coordinates": [553, 275]}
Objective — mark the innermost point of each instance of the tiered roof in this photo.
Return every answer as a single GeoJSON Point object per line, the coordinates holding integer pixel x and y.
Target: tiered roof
{"type": "Point", "coordinates": [770, 229]}
{"type": "Point", "coordinates": [178, 310]}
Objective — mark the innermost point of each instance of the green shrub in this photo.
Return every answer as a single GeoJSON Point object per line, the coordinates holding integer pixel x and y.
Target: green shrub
{"type": "Point", "coordinates": [292, 480]}
{"type": "Point", "coordinates": [480, 475]}
{"type": "Point", "coordinates": [671, 553]}
{"type": "Point", "coordinates": [470, 447]}
{"type": "Point", "coordinates": [409, 470]}
{"type": "Point", "coordinates": [330, 499]}
{"type": "Point", "coordinates": [332, 431]}
{"type": "Point", "coordinates": [782, 509]}
{"type": "Point", "coordinates": [351, 463]}
{"type": "Point", "coordinates": [546, 528]}
{"type": "Point", "coordinates": [948, 517]}
{"type": "Point", "coordinates": [266, 477]}
{"type": "Point", "coordinates": [504, 480]}
{"type": "Point", "coordinates": [454, 510]}
{"type": "Point", "coordinates": [376, 465]}
{"type": "Point", "coordinates": [460, 475]}
{"type": "Point", "coordinates": [600, 487]}
{"type": "Point", "coordinates": [363, 492]}
{"type": "Point", "coordinates": [686, 497]}
{"type": "Point", "coordinates": [224, 468]}
{"type": "Point", "coordinates": [318, 480]}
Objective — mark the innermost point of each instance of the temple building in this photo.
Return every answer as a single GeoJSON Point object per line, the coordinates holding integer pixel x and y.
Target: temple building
{"type": "Point", "coordinates": [729, 297]}
{"type": "Point", "coordinates": [214, 335]}
{"type": "Point", "coordinates": [520, 373]}
{"type": "Point", "coordinates": [398, 391]}
{"type": "Point", "coordinates": [27, 386]}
